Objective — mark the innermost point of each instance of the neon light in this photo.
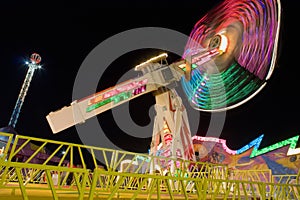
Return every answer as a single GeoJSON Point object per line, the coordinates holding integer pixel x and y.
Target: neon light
{"type": "Point", "coordinates": [216, 140]}
{"type": "Point", "coordinates": [139, 90]}
{"type": "Point", "coordinates": [291, 141]}
{"type": "Point", "coordinates": [118, 97]}
{"type": "Point", "coordinates": [116, 91]}
{"type": "Point", "coordinates": [215, 91]}
{"type": "Point", "coordinates": [161, 56]}
{"type": "Point", "coordinates": [255, 144]}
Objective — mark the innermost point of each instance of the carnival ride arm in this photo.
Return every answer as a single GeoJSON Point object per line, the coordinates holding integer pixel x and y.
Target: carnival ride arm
{"type": "Point", "coordinates": [155, 75]}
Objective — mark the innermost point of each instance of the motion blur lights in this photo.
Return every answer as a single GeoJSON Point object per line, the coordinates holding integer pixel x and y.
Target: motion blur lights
{"type": "Point", "coordinates": [244, 34]}
{"type": "Point", "coordinates": [217, 46]}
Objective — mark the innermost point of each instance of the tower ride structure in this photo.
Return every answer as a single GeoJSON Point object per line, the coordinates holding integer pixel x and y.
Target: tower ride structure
{"type": "Point", "coordinates": [33, 65]}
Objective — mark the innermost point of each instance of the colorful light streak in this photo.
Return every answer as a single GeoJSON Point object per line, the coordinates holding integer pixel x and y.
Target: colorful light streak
{"type": "Point", "coordinates": [214, 91]}
{"type": "Point", "coordinates": [252, 28]}
{"type": "Point", "coordinates": [203, 58]}
{"type": "Point", "coordinates": [260, 22]}
{"type": "Point", "coordinates": [255, 144]}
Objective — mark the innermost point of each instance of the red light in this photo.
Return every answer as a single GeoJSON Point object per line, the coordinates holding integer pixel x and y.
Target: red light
{"type": "Point", "coordinates": [139, 90]}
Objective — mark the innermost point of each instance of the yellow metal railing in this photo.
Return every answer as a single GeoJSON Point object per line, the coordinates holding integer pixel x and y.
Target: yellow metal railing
{"type": "Point", "coordinates": [88, 157]}
{"type": "Point", "coordinates": [251, 175]}
{"type": "Point", "coordinates": [125, 175]}
{"type": "Point", "coordinates": [286, 178]}
{"type": "Point", "coordinates": [102, 184]}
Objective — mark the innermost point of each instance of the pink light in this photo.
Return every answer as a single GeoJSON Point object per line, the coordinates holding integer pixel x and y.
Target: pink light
{"type": "Point", "coordinates": [116, 91]}
{"type": "Point", "coordinates": [256, 22]}
{"type": "Point", "coordinates": [217, 140]}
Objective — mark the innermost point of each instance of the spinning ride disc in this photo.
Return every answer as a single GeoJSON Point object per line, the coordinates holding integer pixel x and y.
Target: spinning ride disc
{"type": "Point", "coordinates": [251, 30]}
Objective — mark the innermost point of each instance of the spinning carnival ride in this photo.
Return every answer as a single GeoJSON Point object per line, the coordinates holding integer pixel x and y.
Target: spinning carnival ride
{"type": "Point", "coordinates": [230, 55]}
{"type": "Point", "coordinates": [252, 29]}
{"type": "Point", "coordinates": [228, 59]}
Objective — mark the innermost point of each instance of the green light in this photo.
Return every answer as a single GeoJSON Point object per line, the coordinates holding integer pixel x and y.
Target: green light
{"type": "Point", "coordinates": [98, 105]}
{"type": "Point", "coordinates": [213, 91]}
{"type": "Point", "coordinates": [121, 97]}
{"type": "Point", "coordinates": [115, 99]}
{"type": "Point", "coordinates": [291, 141]}
{"type": "Point", "coordinates": [193, 67]}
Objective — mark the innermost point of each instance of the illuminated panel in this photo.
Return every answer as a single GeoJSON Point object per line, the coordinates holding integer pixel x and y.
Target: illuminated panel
{"type": "Point", "coordinates": [97, 105]}
{"type": "Point", "coordinates": [117, 95]}
{"type": "Point", "coordinates": [104, 95]}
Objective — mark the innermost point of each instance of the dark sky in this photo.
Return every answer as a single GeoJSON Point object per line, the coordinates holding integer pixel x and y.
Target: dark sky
{"type": "Point", "coordinates": [64, 33]}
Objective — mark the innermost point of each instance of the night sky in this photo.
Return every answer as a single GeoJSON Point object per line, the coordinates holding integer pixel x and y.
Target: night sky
{"type": "Point", "coordinates": [64, 34]}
